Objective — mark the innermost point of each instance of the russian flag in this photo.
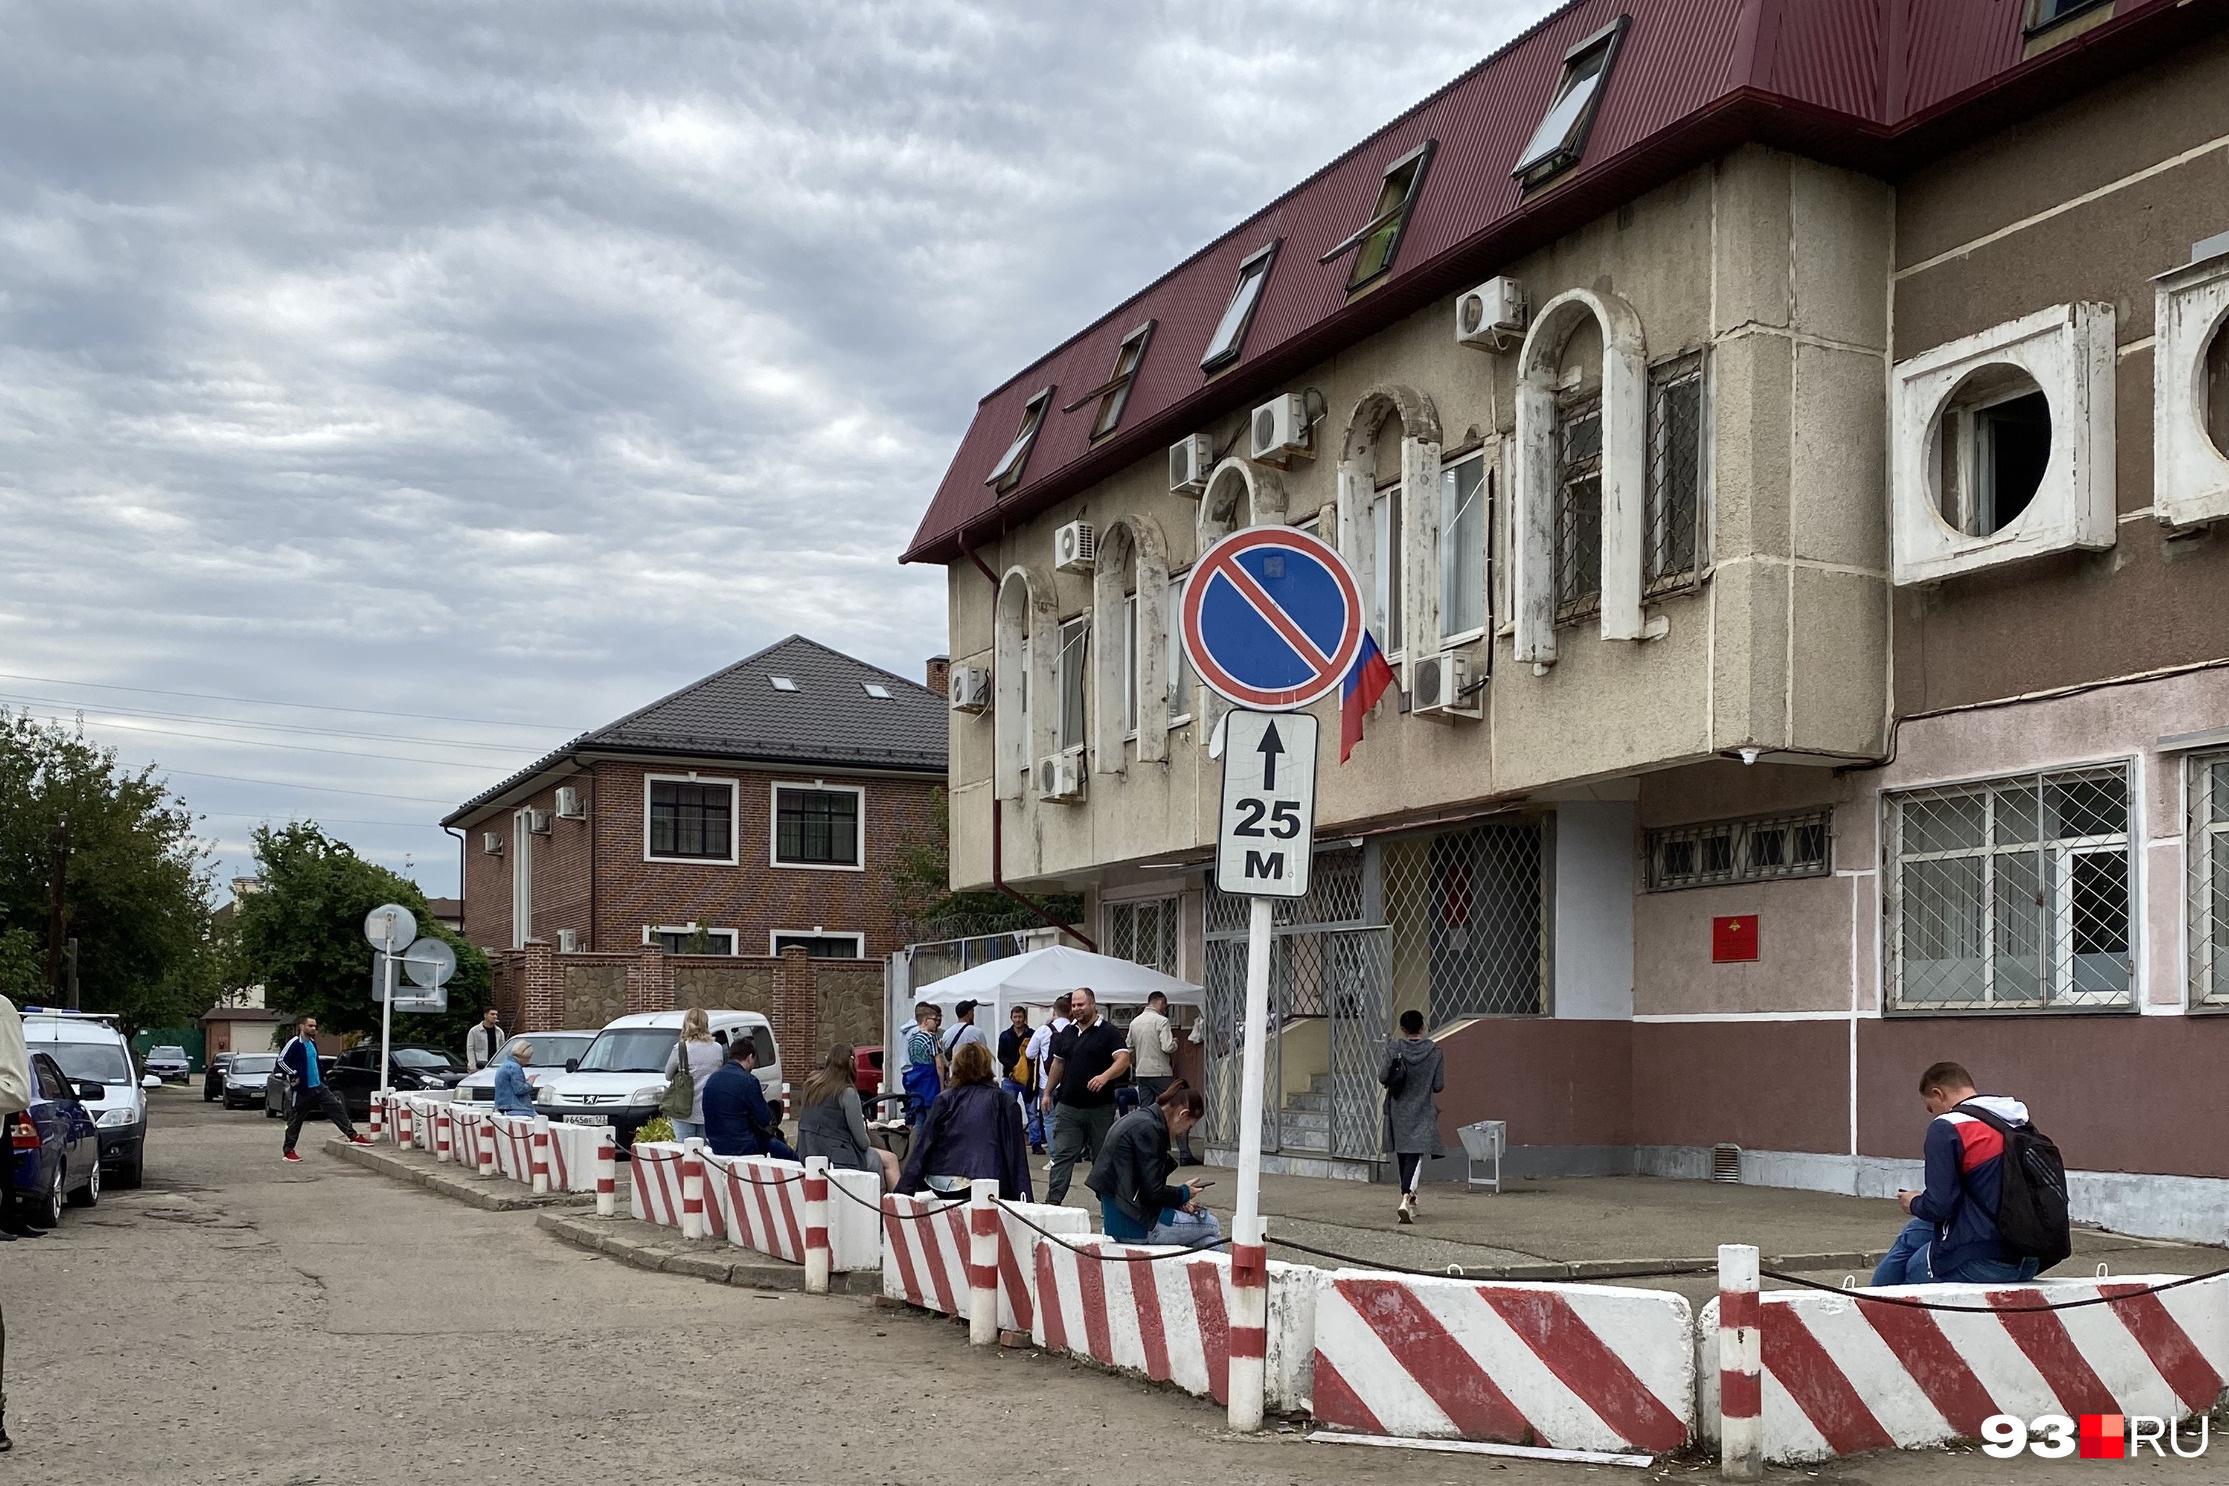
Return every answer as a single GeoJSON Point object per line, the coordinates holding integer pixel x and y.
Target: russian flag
{"type": "Point", "coordinates": [1366, 681]}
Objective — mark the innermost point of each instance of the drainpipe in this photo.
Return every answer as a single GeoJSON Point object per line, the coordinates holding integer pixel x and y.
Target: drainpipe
{"type": "Point", "coordinates": [998, 880]}
{"type": "Point", "coordinates": [452, 830]}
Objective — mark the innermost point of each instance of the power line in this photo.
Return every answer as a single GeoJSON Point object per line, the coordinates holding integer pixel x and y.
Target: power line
{"type": "Point", "coordinates": [395, 758]}
{"type": "Point", "coordinates": [331, 789]}
{"type": "Point", "coordinates": [210, 696]}
{"type": "Point", "coordinates": [104, 710]}
{"type": "Point", "coordinates": [330, 820]}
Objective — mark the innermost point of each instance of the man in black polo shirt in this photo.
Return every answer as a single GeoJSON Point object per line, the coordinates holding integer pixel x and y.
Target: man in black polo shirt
{"type": "Point", "coordinates": [1088, 1059]}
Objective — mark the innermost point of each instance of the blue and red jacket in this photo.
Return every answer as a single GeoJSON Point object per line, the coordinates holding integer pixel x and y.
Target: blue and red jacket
{"type": "Point", "coordinates": [1965, 1166]}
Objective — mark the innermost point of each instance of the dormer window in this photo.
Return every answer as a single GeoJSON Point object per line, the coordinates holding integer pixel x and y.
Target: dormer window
{"type": "Point", "coordinates": [1561, 138]}
{"type": "Point", "coordinates": [1009, 471]}
{"type": "Point", "coordinates": [1115, 391]}
{"type": "Point", "coordinates": [1374, 243]}
{"type": "Point", "coordinates": [1230, 333]}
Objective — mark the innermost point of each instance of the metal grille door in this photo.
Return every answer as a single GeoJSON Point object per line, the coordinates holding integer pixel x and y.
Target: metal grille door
{"type": "Point", "coordinates": [1225, 1011]}
{"type": "Point", "coordinates": [1358, 979]}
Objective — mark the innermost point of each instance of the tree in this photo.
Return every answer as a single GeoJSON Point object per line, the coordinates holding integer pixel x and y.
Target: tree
{"type": "Point", "coordinates": [301, 934]}
{"type": "Point", "coordinates": [97, 853]}
{"type": "Point", "coordinates": [921, 888]}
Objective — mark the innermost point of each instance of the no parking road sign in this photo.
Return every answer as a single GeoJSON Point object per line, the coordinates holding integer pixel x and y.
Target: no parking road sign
{"type": "Point", "coordinates": [1266, 839]}
{"type": "Point", "coordinates": [1271, 618]}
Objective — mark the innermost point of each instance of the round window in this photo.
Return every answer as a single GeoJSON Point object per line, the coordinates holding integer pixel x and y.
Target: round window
{"type": "Point", "coordinates": [2214, 388]}
{"type": "Point", "coordinates": [1991, 445]}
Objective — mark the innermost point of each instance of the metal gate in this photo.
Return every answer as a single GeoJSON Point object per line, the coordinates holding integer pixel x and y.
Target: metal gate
{"type": "Point", "coordinates": [1343, 976]}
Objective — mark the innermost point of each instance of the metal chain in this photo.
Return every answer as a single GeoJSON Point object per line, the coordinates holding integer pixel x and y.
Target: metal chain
{"type": "Point", "coordinates": [1910, 1303]}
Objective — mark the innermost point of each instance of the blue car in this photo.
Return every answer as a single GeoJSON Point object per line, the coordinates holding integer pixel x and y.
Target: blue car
{"type": "Point", "coordinates": [54, 1152]}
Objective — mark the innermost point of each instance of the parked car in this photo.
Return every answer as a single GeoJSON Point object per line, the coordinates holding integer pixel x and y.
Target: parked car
{"type": "Point", "coordinates": [53, 1148]}
{"type": "Point", "coordinates": [93, 1055]}
{"type": "Point", "coordinates": [411, 1069]}
{"type": "Point", "coordinates": [555, 1053]}
{"type": "Point", "coordinates": [168, 1063]}
{"type": "Point", "coordinates": [622, 1076]}
{"type": "Point", "coordinates": [244, 1081]}
{"type": "Point", "coordinates": [212, 1077]}
{"type": "Point", "coordinates": [278, 1094]}
{"type": "Point", "coordinates": [866, 1071]}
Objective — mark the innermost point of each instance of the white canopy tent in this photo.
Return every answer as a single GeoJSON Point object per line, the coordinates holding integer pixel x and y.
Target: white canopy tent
{"type": "Point", "coordinates": [1033, 979]}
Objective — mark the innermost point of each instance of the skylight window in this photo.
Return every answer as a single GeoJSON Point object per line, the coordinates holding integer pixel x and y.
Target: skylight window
{"type": "Point", "coordinates": [1373, 244]}
{"type": "Point", "coordinates": [782, 683]}
{"type": "Point", "coordinates": [1009, 471]}
{"type": "Point", "coordinates": [1115, 391]}
{"type": "Point", "coordinates": [1230, 335]}
{"type": "Point", "coordinates": [1562, 136]}
{"type": "Point", "coordinates": [879, 693]}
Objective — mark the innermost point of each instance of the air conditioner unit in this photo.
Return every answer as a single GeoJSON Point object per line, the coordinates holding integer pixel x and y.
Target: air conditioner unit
{"type": "Point", "coordinates": [1060, 777]}
{"type": "Point", "coordinates": [538, 821]}
{"type": "Point", "coordinates": [970, 688]}
{"type": "Point", "coordinates": [1075, 547]}
{"type": "Point", "coordinates": [569, 806]}
{"type": "Point", "coordinates": [491, 843]}
{"type": "Point", "coordinates": [1492, 316]}
{"type": "Point", "coordinates": [1441, 687]}
{"type": "Point", "coordinates": [1281, 430]}
{"type": "Point", "coordinates": [568, 941]}
{"type": "Point", "coordinates": [1190, 461]}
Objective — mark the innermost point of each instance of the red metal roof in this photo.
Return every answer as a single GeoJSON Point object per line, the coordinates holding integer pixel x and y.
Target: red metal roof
{"type": "Point", "coordinates": [1874, 84]}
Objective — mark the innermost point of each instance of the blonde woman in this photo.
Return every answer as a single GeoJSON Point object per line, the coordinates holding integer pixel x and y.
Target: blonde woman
{"type": "Point", "coordinates": [703, 1055]}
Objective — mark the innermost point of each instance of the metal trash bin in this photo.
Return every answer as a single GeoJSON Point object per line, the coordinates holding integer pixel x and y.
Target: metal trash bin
{"type": "Point", "coordinates": [1483, 1143]}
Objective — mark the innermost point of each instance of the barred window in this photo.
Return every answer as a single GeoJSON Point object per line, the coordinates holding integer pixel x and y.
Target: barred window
{"type": "Point", "coordinates": [816, 827]}
{"type": "Point", "coordinates": [1763, 849]}
{"type": "Point", "coordinates": [1146, 931]}
{"type": "Point", "coordinates": [2014, 893]}
{"type": "Point", "coordinates": [1579, 508]}
{"type": "Point", "coordinates": [1675, 489]}
{"type": "Point", "coordinates": [692, 820]}
{"type": "Point", "coordinates": [2208, 849]}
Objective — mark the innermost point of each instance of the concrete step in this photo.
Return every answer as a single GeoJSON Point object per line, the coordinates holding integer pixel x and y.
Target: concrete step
{"type": "Point", "coordinates": [1289, 1118]}
{"type": "Point", "coordinates": [1287, 1163]}
{"type": "Point", "coordinates": [1317, 1101]}
{"type": "Point", "coordinates": [1303, 1140]}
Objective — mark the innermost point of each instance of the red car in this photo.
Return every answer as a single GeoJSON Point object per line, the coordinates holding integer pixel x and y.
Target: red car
{"type": "Point", "coordinates": [866, 1071]}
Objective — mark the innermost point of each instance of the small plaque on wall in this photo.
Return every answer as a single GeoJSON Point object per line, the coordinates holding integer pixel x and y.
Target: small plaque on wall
{"type": "Point", "coordinates": [1733, 937]}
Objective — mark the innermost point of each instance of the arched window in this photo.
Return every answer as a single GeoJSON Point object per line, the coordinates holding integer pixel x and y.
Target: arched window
{"type": "Point", "coordinates": [1582, 465]}
{"type": "Point", "coordinates": [1389, 519]}
{"type": "Point", "coordinates": [1025, 716]}
{"type": "Point", "coordinates": [1133, 618]}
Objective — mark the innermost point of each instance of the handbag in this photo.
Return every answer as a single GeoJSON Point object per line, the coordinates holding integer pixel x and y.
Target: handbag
{"type": "Point", "coordinates": [681, 1094]}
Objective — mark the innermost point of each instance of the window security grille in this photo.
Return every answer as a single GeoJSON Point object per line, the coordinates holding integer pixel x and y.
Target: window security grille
{"type": "Point", "coordinates": [2012, 894]}
{"type": "Point", "coordinates": [1675, 489]}
{"type": "Point", "coordinates": [1579, 509]}
{"type": "Point", "coordinates": [2208, 854]}
{"type": "Point", "coordinates": [1146, 932]}
{"type": "Point", "coordinates": [1763, 849]}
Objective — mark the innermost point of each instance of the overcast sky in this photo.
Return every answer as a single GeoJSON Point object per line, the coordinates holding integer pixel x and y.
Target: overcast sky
{"type": "Point", "coordinates": [496, 368]}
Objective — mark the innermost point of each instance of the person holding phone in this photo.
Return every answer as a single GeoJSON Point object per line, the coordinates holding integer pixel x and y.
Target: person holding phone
{"type": "Point", "coordinates": [1136, 1202]}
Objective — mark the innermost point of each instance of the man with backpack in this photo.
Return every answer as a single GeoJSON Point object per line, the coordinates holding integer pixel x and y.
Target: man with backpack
{"type": "Point", "coordinates": [1994, 1208]}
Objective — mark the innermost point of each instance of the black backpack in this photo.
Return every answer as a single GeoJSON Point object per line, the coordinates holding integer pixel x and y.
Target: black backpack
{"type": "Point", "coordinates": [2031, 1192]}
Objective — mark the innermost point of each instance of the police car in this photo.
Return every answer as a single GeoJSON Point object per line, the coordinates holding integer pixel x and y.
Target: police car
{"type": "Point", "coordinates": [89, 1050]}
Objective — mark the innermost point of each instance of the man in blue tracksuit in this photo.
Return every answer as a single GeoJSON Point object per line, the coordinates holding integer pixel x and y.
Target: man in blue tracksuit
{"type": "Point", "coordinates": [737, 1119]}
{"type": "Point", "coordinates": [310, 1095]}
{"type": "Point", "coordinates": [1952, 1237]}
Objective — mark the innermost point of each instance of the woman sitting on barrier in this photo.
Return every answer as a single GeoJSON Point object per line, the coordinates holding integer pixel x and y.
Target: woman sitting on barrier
{"type": "Point", "coordinates": [1131, 1176]}
{"type": "Point", "coordinates": [973, 1130]}
{"type": "Point", "coordinates": [834, 1125]}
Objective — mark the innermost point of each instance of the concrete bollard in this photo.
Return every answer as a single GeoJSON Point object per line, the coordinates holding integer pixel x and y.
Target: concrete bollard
{"type": "Point", "coordinates": [539, 1146]}
{"type": "Point", "coordinates": [378, 1113]}
{"type": "Point", "coordinates": [816, 1225]}
{"type": "Point", "coordinates": [402, 1125]}
{"type": "Point", "coordinates": [442, 1153]}
{"type": "Point", "coordinates": [982, 1261]}
{"type": "Point", "coordinates": [1249, 1323]}
{"type": "Point", "coordinates": [489, 1135]}
{"type": "Point", "coordinates": [607, 1173]}
{"type": "Point", "coordinates": [1741, 1425]}
{"type": "Point", "coordinates": [692, 1188]}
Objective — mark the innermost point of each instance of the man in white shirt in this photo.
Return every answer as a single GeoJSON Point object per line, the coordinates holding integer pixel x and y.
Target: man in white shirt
{"type": "Point", "coordinates": [1152, 1046]}
{"type": "Point", "coordinates": [1040, 1044]}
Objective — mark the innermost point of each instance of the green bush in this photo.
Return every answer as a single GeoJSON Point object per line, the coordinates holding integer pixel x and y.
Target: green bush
{"type": "Point", "coordinates": [658, 1128]}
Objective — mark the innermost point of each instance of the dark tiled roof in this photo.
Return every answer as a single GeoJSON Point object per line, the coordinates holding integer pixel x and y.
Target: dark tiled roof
{"type": "Point", "coordinates": [740, 714]}
{"type": "Point", "coordinates": [1874, 84]}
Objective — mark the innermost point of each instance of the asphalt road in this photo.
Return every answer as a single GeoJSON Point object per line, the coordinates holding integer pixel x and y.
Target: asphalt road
{"type": "Point", "coordinates": [242, 1320]}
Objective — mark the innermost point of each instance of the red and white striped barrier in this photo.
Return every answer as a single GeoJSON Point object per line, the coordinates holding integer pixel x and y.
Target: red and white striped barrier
{"type": "Point", "coordinates": [572, 1156]}
{"type": "Point", "coordinates": [1575, 1367]}
{"type": "Point", "coordinates": [442, 1121]}
{"type": "Point", "coordinates": [1170, 1318]}
{"type": "Point", "coordinates": [925, 1258]}
{"type": "Point", "coordinates": [513, 1138]}
{"type": "Point", "coordinates": [377, 1117]}
{"type": "Point", "coordinates": [757, 1202]}
{"type": "Point", "coordinates": [1842, 1377]}
{"type": "Point", "coordinates": [654, 1186]}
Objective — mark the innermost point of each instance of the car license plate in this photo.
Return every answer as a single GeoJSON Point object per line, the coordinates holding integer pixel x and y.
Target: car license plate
{"type": "Point", "coordinates": [588, 1119]}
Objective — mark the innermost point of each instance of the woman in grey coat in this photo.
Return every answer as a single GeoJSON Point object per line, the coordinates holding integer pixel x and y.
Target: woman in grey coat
{"type": "Point", "coordinates": [1413, 1073]}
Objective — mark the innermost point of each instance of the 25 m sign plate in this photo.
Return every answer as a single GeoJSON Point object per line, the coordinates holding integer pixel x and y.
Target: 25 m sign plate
{"type": "Point", "coordinates": [1264, 843]}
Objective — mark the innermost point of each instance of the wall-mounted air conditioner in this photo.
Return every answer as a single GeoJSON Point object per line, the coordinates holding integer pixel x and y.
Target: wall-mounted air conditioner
{"type": "Point", "coordinates": [1281, 431]}
{"type": "Point", "coordinates": [568, 941]}
{"type": "Point", "coordinates": [1190, 462]}
{"type": "Point", "coordinates": [491, 843]}
{"type": "Point", "coordinates": [569, 806]}
{"type": "Point", "coordinates": [1492, 316]}
{"type": "Point", "coordinates": [1075, 547]}
{"type": "Point", "coordinates": [1060, 777]}
{"type": "Point", "coordinates": [1441, 688]}
{"type": "Point", "coordinates": [970, 688]}
{"type": "Point", "coordinates": [538, 822]}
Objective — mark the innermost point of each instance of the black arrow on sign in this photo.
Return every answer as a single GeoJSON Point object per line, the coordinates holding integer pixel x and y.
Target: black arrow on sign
{"type": "Point", "coordinates": [1270, 746]}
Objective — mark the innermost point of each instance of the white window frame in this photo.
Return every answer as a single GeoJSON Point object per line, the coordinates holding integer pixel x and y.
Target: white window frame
{"type": "Point", "coordinates": [774, 938]}
{"type": "Point", "coordinates": [1179, 667]}
{"type": "Point", "coordinates": [735, 818]}
{"type": "Point", "coordinates": [650, 933]}
{"type": "Point", "coordinates": [522, 875]}
{"type": "Point", "coordinates": [1388, 561]}
{"type": "Point", "coordinates": [1072, 669]}
{"type": "Point", "coordinates": [774, 825]}
{"type": "Point", "coordinates": [1447, 554]}
{"type": "Point", "coordinates": [1130, 667]}
{"type": "Point", "coordinates": [1171, 904]}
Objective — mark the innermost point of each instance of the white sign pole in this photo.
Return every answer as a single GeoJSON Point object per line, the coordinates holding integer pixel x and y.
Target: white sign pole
{"type": "Point", "coordinates": [1250, 1304]}
{"type": "Point", "coordinates": [387, 1012]}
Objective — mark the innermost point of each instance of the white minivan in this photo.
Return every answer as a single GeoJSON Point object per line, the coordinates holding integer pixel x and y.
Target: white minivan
{"type": "Point", "coordinates": [622, 1076]}
{"type": "Point", "coordinates": [89, 1049]}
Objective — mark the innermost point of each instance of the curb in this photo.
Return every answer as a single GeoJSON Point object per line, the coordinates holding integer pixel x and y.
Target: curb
{"type": "Point", "coordinates": [490, 1197]}
{"type": "Point", "coordinates": [619, 1238]}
